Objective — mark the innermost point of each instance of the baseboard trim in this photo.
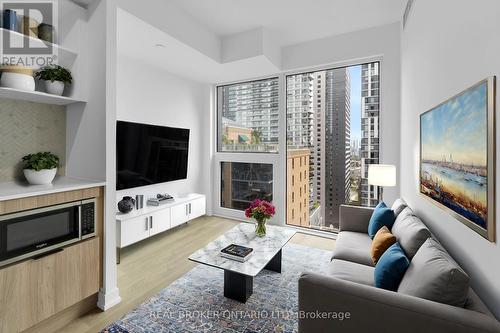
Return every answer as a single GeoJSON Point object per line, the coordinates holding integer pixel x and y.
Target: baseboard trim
{"type": "Point", "coordinates": [107, 299]}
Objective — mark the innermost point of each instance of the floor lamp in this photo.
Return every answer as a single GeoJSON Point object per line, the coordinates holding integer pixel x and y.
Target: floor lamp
{"type": "Point", "coordinates": [383, 175]}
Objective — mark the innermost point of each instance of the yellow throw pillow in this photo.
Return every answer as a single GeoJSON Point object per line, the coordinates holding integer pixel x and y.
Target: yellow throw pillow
{"type": "Point", "coordinates": [382, 241]}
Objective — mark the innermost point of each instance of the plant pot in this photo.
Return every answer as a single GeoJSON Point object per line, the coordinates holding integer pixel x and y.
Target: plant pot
{"type": "Point", "coordinates": [54, 88]}
{"type": "Point", "coordinates": [42, 177]}
{"type": "Point", "coordinates": [17, 81]}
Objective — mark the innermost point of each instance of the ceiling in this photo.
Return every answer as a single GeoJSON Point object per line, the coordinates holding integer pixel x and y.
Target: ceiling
{"type": "Point", "coordinates": [292, 21]}
{"type": "Point", "coordinates": [177, 57]}
{"type": "Point", "coordinates": [226, 40]}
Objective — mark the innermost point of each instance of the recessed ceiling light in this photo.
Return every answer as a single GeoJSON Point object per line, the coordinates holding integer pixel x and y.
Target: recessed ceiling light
{"type": "Point", "coordinates": [160, 45]}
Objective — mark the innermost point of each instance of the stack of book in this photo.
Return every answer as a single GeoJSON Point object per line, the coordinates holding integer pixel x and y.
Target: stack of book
{"type": "Point", "coordinates": [160, 200]}
{"type": "Point", "coordinates": [236, 252]}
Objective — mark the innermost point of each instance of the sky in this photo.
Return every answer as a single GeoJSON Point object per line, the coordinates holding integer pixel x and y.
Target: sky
{"type": "Point", "coordinates": [457, 127]}
{"type": "Point", "coordinates": [355, 78]}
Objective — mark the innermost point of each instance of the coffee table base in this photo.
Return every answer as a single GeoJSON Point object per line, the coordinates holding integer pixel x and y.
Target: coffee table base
{"type": "Point", "coordinates": [275, 263]}
{"type": "Point", "coordinates": [240, 287]}
{"type": "Point", "coordinates": [237, 286]}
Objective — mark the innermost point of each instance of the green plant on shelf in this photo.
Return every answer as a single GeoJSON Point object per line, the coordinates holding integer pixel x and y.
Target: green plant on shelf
{"type": "Point", "coordinates": [40, 161]}
{"type": "Point", "coordinates": [54, 73]}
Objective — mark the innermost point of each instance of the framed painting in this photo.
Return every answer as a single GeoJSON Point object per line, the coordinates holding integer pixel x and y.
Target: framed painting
{"type": "Point", "coordinates": [457, 157]}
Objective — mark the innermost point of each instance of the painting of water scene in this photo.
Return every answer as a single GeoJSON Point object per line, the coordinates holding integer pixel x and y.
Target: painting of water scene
{"type": "Point", "coordinates": [456, 156]}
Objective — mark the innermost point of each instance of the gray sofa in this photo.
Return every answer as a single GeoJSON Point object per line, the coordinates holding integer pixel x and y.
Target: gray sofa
{"type": "Point", "coordinates": [345, 299]}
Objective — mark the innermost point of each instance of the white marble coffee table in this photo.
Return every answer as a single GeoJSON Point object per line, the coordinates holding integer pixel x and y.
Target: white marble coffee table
{"type": "Point", "coordinates": [238, 276]}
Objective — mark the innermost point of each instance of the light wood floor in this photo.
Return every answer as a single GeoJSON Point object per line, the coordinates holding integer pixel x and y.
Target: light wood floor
{"type": "Point", "coordinates": [151, 265]}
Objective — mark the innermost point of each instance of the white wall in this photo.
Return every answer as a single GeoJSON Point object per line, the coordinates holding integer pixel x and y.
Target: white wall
{"type": "Point", "coordinates": [150, 95]}
{"type": "Point", "coordinates": [447, 46]}
{"type": "Point", "coordinates": [86, 124]}
{"type": "Point", "coordinates": [353, 48]}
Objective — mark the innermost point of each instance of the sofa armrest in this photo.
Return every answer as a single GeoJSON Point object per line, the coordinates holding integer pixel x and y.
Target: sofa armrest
{"type": "Point", "coordinates": [328, 304]}
{"type": "Point", "coordinates": [354, 218]}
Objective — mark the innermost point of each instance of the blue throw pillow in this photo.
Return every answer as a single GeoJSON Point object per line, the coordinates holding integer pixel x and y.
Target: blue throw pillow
{"type": "Point", "coordinates": [382, 215]}
{"type": "Point", "coordinates": [391, 268]}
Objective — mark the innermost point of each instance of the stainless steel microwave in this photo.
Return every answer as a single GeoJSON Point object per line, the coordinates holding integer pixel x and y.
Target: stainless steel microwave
{"type": "Point", "coordinates": [36, 232]}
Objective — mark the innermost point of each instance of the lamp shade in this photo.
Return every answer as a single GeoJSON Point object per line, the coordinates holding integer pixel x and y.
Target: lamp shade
{"type": "Point", "coordinates": [382, 175]}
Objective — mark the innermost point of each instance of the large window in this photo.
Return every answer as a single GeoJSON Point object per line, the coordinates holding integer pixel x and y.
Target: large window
{"type": "Point", "coordinates": [328, 127]}
{"type": "Point", "coordinates": [248, 116]}
{"type": "Point", "coordinates": [332, 136]}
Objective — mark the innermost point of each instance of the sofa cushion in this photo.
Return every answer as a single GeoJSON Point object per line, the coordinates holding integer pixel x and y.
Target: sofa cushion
{"type": "Point", "coordinates": [435, 276]}
{"type": "Point", "coordinates": [382, 215]}
{"type": "Point", "coordinates": [351, 271]}
{"type": "Point", "coordinates": [391, 268]}
{"type": "Point", "coordinates": [382, 241]}
{"type": "Point", "coordinates": [398, 206]}
{"type": "Point", "coordinates": [353, 246]}
{"type": "Point", "coordinates": [410, 232]}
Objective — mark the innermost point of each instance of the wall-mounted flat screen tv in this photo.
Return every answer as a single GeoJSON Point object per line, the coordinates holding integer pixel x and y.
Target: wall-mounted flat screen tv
{"type": "Point", "coordinates": [149, 154]}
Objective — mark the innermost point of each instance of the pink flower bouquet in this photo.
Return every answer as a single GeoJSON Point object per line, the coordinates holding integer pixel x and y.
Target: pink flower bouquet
{"type": "Point", "coordinates": [261, 211]}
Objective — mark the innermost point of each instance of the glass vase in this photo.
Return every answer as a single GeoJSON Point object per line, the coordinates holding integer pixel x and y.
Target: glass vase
{"type": "Point", "coordinates": [260, 228]}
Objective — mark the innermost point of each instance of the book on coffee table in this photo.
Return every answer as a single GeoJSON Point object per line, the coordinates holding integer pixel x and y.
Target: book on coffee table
{"type": "Point", "coordinates": [236, 252]}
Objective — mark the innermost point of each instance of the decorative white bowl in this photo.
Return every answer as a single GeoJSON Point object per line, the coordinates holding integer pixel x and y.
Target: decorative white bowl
{"type": "Point", "coordinates": [54, 88]}
{"type": "Point", "coordinates": [42, 177]}
{"type": "Point", "coordinates": [17, 81]}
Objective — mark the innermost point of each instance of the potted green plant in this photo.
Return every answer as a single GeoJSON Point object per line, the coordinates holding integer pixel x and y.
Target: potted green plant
{"type": "Point", "coordinates": [40, 168]}
{"type": "Point", "coordinates": [55, 77]}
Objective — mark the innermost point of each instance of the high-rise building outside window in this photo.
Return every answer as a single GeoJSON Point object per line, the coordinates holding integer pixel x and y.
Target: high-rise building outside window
{"type": "Point", "coordinates": [248, 117]}
{"type": "Point", "coordinates": [332, 121]}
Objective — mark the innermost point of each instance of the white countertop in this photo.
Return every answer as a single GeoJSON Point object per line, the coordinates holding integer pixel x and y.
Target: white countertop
{"type": "Point", "coordinates": [150, 209]}
{"type": "Point", "coordinates": [16, 190]}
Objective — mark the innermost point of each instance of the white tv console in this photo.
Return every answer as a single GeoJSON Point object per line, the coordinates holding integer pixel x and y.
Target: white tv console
{"type": "Point", "coordinates": [151, 220]}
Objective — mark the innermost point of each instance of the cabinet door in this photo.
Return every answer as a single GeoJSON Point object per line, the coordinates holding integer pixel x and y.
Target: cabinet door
{"type": "Point", "coordinates": [134, 230]}
{"type": "Point", "coordinates": [34, 290]}
{"type": "Point", "coordinates": [159, 221]}
{"type": "Point", "coordinates": [197, 208]}
{"type": "Point", "coordinates": [179, 214]}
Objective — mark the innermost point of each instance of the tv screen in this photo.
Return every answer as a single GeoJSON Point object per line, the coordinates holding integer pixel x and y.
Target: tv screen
{"type": "Point", "coordinates": [149, 154]}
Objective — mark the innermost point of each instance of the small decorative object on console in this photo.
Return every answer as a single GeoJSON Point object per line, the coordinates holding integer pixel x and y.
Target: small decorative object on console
{"type": "Point", "coordinates": [160, 199]}
{"type": "Point", "coordinates": [139, 201]}
{"type": "Point", "coordinates": [40, 168]}
{"type": "Point", "coordinates": [126, 205]}
{"type": "Point", "coordinates": [261, 211]}
{"type": "Point", "coordinates": [55, 77]}
{"type": "Point", "coordinates": [236, 252]}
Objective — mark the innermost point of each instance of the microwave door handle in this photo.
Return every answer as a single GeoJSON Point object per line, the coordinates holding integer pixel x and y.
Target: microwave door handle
{"type": "Point", "coordinates": [80, 222]}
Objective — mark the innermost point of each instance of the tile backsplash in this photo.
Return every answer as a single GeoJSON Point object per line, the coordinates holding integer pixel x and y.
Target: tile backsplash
{"type": "Point", "coordinates": [27, 127]}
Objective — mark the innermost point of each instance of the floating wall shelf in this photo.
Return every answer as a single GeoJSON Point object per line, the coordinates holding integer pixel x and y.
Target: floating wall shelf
{"type": "Point", "coordinates": [65, 57]}
{"type": "Point", "coordinates": [37, 97]}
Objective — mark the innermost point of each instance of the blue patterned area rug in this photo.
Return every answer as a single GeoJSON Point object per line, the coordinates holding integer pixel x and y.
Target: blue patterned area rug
{"type": "Point", "coordinates": [195, 302]}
